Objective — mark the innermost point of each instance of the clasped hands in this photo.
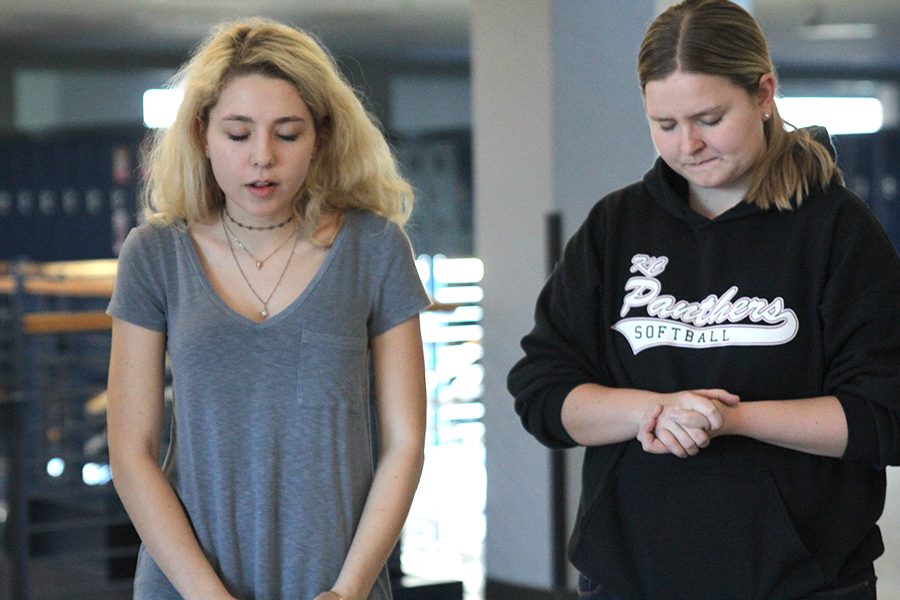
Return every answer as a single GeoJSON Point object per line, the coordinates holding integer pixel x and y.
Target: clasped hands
{"type": "Point", "coordinates": [684, 422]}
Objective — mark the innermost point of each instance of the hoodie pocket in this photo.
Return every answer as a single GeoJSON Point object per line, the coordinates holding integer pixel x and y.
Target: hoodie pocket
{"type": "Point", "coordinates": [675, 533]}
{"type": "Point", "coordinates": [333, 371]}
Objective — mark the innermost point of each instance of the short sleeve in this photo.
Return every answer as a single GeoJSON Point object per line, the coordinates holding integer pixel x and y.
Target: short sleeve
{"type": "Point", "coordinates": [398, 292]}
{"type": "Point", "coordinates": [139, 295]}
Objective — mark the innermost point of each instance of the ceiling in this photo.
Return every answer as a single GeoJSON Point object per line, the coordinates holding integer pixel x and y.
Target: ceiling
{"type": "Point", "coordinates": [824, 35]}
{"type": "Point", "coordinates": [414, 29]}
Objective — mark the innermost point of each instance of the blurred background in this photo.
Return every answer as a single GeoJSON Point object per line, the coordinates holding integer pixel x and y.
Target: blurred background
{"type": "Point", "coordinates": [464, 90]}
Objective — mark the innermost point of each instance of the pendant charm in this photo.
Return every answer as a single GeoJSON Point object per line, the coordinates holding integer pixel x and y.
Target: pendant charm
{"type": "Point", "coordinates": [264, 313]}
{"type": "Point", "coordinates": [259, 264]}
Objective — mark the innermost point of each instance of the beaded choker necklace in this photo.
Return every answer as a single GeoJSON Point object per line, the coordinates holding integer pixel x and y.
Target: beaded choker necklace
{"type": "Point", "coordinates": [254, 228]}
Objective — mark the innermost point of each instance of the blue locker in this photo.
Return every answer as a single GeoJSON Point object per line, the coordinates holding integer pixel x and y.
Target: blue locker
{"type": "Point", "coordinates": [18, 196]}
{"type": "Point", "coordinates": [68, 195]}
{"type": "Point", "coordinates": [885, 200]}
{"type": "Point", "coordinates": [871, 165]}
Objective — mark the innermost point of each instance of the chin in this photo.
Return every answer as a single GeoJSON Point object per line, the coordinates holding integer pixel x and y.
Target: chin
{"type": "Point", "coordinates": [708, 180]}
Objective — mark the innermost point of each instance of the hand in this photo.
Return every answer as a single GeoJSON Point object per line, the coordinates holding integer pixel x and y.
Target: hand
{"type": "Point", "coordinates": [683, 423]}
{"type": "Point", "coordinates": [661, 434]}
{"type": "Point", "coordinates": [708, 403]}
{"type": "Point", "coordinates": [646, 436]}
{"type": "Point", "coordinates": [682, 431]}
{"type": "Point", "coordinates": [330, 595]}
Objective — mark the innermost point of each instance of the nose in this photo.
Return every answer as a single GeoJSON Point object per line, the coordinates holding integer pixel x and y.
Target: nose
{"type": "Point", "coordinates": [691, 140]}
{"type": "Point", "coordinates": [263, 153]}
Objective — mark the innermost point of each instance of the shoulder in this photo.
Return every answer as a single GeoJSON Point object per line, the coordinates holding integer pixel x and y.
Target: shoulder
{"type": "Point", "coordinates": [843, 210]}
{"type": "Point", "coordinates": [834, 198]}
{"type": "Point", "coordinates": [364, 221]}
{"type": "Point", "coordinates": [153, 234]}
{"type": "Point", "coordinates": [143, 275]}
{"type": "Point", "coordinates": [149, 244]}
{"type": "Point", "coordinates": [373, 230]}
{"type": "Point", "coordinates": [624, 197]}
{"type": "Point", "coordinates": [855, 241]}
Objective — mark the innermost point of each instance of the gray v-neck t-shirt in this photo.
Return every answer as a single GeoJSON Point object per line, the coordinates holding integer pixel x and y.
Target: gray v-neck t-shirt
{"type": "Point", "coordinates": [271, 451]}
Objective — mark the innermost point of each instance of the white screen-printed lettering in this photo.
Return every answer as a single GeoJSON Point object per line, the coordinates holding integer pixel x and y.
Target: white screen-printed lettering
{"type": "Point", "coordinates": [718, 320]}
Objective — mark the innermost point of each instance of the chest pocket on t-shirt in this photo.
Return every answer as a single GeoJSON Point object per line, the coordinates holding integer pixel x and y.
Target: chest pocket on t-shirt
{"type": "Point", "coordinates": [333, 371]}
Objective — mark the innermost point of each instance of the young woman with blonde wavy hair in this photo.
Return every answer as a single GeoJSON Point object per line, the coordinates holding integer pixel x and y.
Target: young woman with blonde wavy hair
{"type": "Point", "coordinates": [273, 271]}
{"type": "Point", "coordinates": [722, 337]}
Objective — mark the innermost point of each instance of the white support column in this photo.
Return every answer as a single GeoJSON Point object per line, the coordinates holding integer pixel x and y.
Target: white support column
{"type": "Point", "coordinates": [557, 123]}
{"type": "Point", "coordinates": [512, 104]}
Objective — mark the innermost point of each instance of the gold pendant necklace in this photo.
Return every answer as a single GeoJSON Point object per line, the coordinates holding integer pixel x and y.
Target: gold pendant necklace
{"type": "Point", "coordinates": [264, 313]}
{"type": "Point", "coordinates": [259, 261]}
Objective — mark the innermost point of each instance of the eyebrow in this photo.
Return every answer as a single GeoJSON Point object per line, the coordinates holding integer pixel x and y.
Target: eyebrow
{"type": "Point", "coordinates": [279, 121]}
{"type": "Point", "coordinates": [696, 115]}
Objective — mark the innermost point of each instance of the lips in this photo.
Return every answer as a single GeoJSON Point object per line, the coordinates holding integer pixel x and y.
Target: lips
{"type": "Point", "coordinates": [262, 188]}
{"type": "Point", "coordinates": [699, 163]}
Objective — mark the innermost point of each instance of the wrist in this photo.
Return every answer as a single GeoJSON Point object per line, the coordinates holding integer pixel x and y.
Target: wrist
{"type": "Point", "coordinates": [732, 419]}
{"type": "Point", "coordinates": [218, 593]}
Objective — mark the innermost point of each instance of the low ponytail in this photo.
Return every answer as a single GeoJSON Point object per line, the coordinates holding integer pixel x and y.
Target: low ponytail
{"type": "Point", "coordinates": [794, 165]}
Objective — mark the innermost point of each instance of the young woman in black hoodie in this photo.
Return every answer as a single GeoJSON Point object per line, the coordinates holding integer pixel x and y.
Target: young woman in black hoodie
{"type": "Point", "coordinates": [723, 337]}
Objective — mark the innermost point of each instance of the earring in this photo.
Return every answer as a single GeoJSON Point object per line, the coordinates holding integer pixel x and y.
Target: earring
{"type": "Point", "coordinates": [766, 116]}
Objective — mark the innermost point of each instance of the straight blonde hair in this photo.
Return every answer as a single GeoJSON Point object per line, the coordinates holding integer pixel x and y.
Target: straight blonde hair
{"type": "Point", "coordinates": [718, 37]}
{"type": "Point", "coordinates": [353, 165]}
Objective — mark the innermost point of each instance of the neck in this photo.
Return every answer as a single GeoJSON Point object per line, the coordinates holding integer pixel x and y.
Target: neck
{"type": "Point", "coordinates": [712, 202]}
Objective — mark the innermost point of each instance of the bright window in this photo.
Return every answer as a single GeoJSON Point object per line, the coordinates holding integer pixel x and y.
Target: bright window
{"type": "Point", "coordinates": [161, 106]}
{"type": "Point", "coordinates": [837, 115]}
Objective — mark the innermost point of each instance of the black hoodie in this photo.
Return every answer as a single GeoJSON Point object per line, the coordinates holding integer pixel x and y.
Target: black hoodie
{"type": "Point", "coordinates": [765, 304]}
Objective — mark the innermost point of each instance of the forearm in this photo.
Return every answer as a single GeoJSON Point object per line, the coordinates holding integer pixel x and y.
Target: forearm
{"type": "Point", "coordinates": [164, 529]}
{"type": "Point", "coordinates": [596, 415]}
{"type": "Point", "coordinates": [384, 514]}
{"type": "Point", "coordinates": [812, 425]}
{"type": "Point", "coordinates": [676, 422]}
{"type": "Point", "coordinates": [400, 405]}
{"type": "Point", "coordinates": [134, 419]}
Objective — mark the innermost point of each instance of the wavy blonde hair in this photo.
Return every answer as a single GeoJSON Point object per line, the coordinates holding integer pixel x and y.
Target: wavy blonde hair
{"type": "Point", "coordinates": [353, 165]}
{"type": "Point", "coordinates": [718, 37]}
